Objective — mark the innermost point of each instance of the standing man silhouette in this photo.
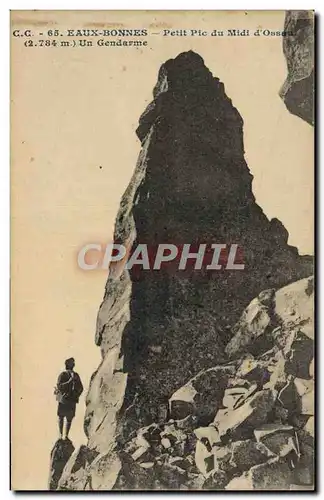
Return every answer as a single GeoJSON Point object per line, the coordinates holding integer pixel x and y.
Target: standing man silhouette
{"type": "Point", "coordinates": [68, 390]}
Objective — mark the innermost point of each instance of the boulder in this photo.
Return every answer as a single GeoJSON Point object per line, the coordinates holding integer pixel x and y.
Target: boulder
{"type": "Point", "coordinates": [173, 434]}
{"type": "Point", "coordinates": [223, 455]}
{"type": "Point", "coordinates": [182, 402]}
{"type": "Point", "coordinates": [150, 435]}
{"type": "Point", "coordinates": [202, 395]}
{"type": "Point", "coordinates": [294, 306]}
{"type": "Point", "coordinates": [303, 386]}
{"type": "Point", "coordinates": [188, 423]}
{"type": "Point", "coordinates": [104, 471]}
{"type": "Point", "coordinates": [141, 454]}
{"type": "Point", "coordinates": [195, 481]}
{"type": "Point", "coordinates": [299, 352]}
{"type": "Point", "coordinates": [172, 476]}
{"type": "Point", "coordinates": [253, 370]}
{"type": "Point", "coordinates": [132, 475]}
{"type": "Point", "coordinates": [246, 365]}
{"type": "Point", "coordinates": [166, 443]}
{"type": "Point", "coordinates": [235, 396]}
{"type": "Point", "coordinates": [216, 480]}
{"type": "Point", "coordinates": [253, 324]}
{"type": "Point", "coordinates": [307, 403]}
{"type": "Point", "coordinates": [276, 361]}
{"type": "Point", "coordinates": [179, 448]}
{"type": "Point", "coordinates": [288, 397]}
{"type": "Point", "coordinates": [105, 397]}
{"type": "Point", "coordinates": [240, 422]}
{"type": "Point", "coordinates": [204, 459]}
{"type": "Point", "coordinates": [245, 454]}
{"type": "Point", "coordinates": [272, 475]}
{"type": "Point", "coordinates": [280, 414]}
{"type": "Point", "coordinates": [76, 472]}
{"type": "Point", "coordinates": [304, 470]}
{"type": "Point", "coordinates": [305, 467]}
{"type": "Point", "coordinates": [209, 434]}
{"type": "Point", "coordinates": [310, 427]}
{"type": "Point", "coordinates": [230, 459]}
{"type": "Point", "coordinates": [181, 462]}
{"type": "Point", "coordinates": [288, 314]}
{"type": "Point", "coordinates": [279, 439]}
{"type": "Point", "coordinates": [147, 465]}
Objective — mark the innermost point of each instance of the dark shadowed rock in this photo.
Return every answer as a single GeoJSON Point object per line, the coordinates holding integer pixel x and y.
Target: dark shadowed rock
{"type": "Point", "coordinates": [216, 480]}
{"type": "Point", "coordinates": [195, 481]}
{"type": "Point", "coordinates": [132, 475]}
{"type": "Point", "coordinates": [289, 397]}
{"type": "Point", "coordinates": [310, 429]}
{"type": "Point", "coordinates": [202, 395]}
{"type": "Point", "coordinates": [298, 90]}
{"type": "Point", "coordinates": [239, 423]}
{"type": "Point", "coordinates": [104, 471]}
{"type": "Point", "coordinates": [272, 475]}
{"type": "Point", "coordinates": [254, 324]}
{"type": "Point", "coordinates": [300, 356]}
{"type": "Point", "coordinates": [279, 439]}
{"type": "Point", "coordinates": [209, 434]}
{"type": "Point", "coordinates": [267, 421]}
{"type": "Point", "coordinates": [172, 476]}
{"type": "Point", "coordinates": [307, 403]}
{"type": "Point", "coordinates": [60, 455]}
{"type": "Point", "coordinates": [247, 453]}
{"type": "Point", "coordinates": [204, 458]}
{"type": "Point", "coordinates": [191, 184]}
{"type": "Point", "coordinates": [162, 334]}
{"type": "Point", "coordinates": [75, 475]}
{"type": "Point", "coordinates": [305, 467]}
{"type": "Point", "coordinates": [188, 423]}
{"type": "Point", "coordinates": [223, 455]}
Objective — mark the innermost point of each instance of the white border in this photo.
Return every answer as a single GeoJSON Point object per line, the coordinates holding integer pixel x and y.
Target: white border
{"type": "Point", "coordinates": [4, 173]}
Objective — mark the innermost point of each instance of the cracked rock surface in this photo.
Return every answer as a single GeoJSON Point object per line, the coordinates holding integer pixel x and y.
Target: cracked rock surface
{"type": "Point", "coordinates": [193, 363]}
{"type": "Point", "coordinates": [261, 439]}
{"type": "Point", "coordinates": [298, 90]}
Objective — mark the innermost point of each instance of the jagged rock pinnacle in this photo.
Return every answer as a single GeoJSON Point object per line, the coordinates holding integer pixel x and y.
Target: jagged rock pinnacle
{"type": "Point", "coordinates": [191, 184]}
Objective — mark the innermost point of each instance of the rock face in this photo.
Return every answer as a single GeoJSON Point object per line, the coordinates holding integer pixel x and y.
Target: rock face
{"type": "Point", "coordinates": [60, 455]}
{"type": "Point", "coordinates": [191, 184]}
{"type": "Point", "coordinates": [298, 90]}
{"type": "Point", "coordinates": [264, 441]}
{"type": "Point", "coordinates": [75, 475]}
{"type": "Point", "coordinates": [163, 334]}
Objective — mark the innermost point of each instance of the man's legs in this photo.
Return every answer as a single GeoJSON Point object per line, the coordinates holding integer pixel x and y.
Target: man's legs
{"type": "Point", "coordinates": [60, 424]}
{"type": "Point", "coordinates": [68, 426]}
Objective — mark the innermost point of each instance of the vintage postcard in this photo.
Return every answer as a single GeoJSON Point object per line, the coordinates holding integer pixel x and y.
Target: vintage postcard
{"type": "Point", "coordinates": [162, 250]}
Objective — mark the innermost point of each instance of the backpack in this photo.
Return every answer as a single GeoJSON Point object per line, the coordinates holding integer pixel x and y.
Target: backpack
{"type": "Point", "coordinates": [64, 391]}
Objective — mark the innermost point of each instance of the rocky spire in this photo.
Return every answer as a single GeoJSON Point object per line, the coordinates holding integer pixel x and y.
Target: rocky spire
{"type": "Point", "coordinates": [191, 185]}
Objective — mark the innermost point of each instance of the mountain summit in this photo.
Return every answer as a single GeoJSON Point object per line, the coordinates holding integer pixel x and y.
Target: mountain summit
{"type": "Point", "coordinates": [191, 184]}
